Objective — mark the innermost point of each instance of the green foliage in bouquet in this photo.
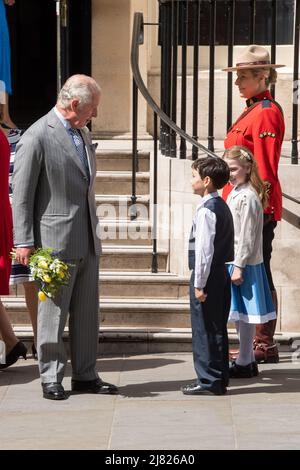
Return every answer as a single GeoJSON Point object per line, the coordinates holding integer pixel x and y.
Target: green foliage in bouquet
{"type": "Point", "coordinates": [49, 271]}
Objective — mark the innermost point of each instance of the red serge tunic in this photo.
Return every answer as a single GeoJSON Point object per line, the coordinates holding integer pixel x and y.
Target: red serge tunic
{"type": "Point", "coordinates": [261, 128]}
{"type": "Point", "coordinates": [6, 241]}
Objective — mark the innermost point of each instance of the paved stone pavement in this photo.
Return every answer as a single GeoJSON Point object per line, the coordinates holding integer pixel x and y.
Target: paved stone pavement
{"type": "Point", "coordinates": [151, 412]}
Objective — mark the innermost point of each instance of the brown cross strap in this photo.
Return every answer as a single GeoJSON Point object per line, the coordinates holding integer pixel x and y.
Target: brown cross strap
{"type": "Point", "coordinates": [258, 62]}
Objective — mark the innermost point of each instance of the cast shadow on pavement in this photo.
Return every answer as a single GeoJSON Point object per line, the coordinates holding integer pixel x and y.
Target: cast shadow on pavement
{"type": "Point", "coordinates": [269, 381]}
{"type": "Point", "coordinates": [126, 363]}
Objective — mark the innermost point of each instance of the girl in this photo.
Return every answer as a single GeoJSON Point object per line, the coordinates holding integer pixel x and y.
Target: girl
{"type": "Point", "coordinates": [251, 301]}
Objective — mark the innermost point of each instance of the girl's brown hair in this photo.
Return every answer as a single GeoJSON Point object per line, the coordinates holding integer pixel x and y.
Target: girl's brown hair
{"type": "Point", "coordinates": [245, 157]}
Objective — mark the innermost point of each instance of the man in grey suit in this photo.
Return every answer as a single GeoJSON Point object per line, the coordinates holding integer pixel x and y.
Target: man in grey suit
{"type": "Point", "coordinates": [54, 206]}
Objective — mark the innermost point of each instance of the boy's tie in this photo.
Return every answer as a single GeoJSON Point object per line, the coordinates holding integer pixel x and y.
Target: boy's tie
{"type": "Point", "coordinates": [79, 145]}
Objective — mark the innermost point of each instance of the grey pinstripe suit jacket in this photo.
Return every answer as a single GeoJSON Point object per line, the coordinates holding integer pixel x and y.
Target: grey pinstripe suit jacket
{"type": "Point", "coordinates": [54, 203]}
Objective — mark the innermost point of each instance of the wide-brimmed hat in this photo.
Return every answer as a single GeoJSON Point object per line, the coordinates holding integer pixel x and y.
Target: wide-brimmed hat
{"type": "Point", "coordinates": [253, 57]}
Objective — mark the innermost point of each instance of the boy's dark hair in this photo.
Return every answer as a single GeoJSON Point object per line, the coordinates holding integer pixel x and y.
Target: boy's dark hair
{"type": "Point", "coordinates": [216, 168]}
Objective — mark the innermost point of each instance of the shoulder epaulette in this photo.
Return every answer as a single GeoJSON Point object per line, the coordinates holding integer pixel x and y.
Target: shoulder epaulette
{"type": "Point", "coordinates": [266, 103]}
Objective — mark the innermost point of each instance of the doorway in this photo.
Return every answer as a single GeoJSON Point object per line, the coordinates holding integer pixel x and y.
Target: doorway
{"type": "Point", "coordinates": [32, 26]}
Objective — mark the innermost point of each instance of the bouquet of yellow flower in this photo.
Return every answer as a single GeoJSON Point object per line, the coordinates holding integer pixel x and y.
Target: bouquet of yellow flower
{"type": "Point", "coordinates": [49, 271]}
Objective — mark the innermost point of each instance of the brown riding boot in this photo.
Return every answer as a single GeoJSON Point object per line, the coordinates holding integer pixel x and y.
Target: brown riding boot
{"type": "Point", "coordinates": [265, 348]}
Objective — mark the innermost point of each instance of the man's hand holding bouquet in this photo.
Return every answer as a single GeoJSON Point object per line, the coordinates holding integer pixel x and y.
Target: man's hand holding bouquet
{"type": "Point", "coordinates": [48, 270]}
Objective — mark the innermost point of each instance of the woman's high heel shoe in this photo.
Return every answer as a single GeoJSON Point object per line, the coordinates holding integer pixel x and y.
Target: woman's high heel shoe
{"type": "Point", "coordinates": [18, 350]}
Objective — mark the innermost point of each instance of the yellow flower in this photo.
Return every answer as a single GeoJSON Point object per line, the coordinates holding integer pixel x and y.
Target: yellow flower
{"type": "Point", "coordinates": [61, 274]}
{"type": "Point", "coordinates": [47, 278]}
{"type": "Point", "coordinates": [43, 264]}
{"type": "Point", "coordinates": [42, 296]}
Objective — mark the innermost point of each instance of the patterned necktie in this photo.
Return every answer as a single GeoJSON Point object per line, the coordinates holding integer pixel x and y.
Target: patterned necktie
{"type": "Point", "coordinates": [79, 145]}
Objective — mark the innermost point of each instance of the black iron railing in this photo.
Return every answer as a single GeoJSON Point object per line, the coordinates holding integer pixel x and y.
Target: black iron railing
{"type": "Point", "coordinates": [290, 216]}
{"type": "Point", "coordinates": [167, 124]}
{"type": "Point", "coordinates": [291, 198]}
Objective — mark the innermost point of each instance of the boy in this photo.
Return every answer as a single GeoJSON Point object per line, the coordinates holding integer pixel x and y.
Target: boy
{"type": "Point", "coordinates": [211, 245]}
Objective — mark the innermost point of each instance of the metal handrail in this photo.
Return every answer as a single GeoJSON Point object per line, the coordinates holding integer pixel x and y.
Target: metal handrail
{"type": "Point", "coordinates": [137, 39]}
{"type": "Point", "coordinates": [138, 84]}
{"type": "Point", "coordinates": [291, 198]}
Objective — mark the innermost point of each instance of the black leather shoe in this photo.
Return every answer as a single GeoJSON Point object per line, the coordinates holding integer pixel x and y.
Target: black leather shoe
{"type": "Point", "coordinates": [93, 386]}
{"type": "Point", "coordinates": [54, 391]}
{"type": "Point", "coordinates": [197, 389]}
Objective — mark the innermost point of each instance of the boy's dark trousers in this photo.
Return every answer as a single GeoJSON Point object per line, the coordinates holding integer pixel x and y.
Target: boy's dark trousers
{"type": "Point", "coordinates": [209, 330]}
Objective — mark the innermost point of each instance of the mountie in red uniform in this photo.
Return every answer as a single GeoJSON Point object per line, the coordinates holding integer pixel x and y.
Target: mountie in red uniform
{"type": "Point", "coordinates": [261, 128]}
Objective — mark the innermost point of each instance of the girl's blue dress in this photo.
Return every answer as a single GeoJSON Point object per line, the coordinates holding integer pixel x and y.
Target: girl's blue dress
{"type": "Point", "coordinates": [5, 75]}
{"type": "Point", "coordinates": [251, 302]}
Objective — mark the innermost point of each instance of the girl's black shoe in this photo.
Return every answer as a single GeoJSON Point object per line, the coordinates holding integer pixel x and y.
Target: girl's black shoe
{"type": "Point", "coordinates": [243, 372]}
{"type": "Point", "coordinates": [18, 350]}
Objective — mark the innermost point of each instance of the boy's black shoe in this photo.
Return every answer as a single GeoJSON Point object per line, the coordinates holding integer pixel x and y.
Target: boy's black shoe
{"type": "Point", "coordinates": [197, 389]}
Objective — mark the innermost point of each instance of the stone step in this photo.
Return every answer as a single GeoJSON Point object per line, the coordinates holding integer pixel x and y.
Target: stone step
{"type": "Point", "coordinates": [145, 313]}
{"type": "Point", "coordinates": [119, 207]}
{"type": "Point", "coordinates": [131, 258]}
{"type": "Point", "coordinates": [114, 160]}
{"type": "Point", "coordinates": [149, 313]}
{"type": "Point", "coordinates": [127, 232]}
{"type": "Point", "coordinates": [121, 340]}
{"type": "Point", "coordinates": [112, 182]}
{"type": "Point", "coordinates": [142, 285]}
{"type": "Point", "coordinates": [135, 285]}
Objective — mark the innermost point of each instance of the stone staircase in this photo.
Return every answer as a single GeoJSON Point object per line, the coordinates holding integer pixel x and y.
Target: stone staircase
{"type": "Point", "coordinates": [139, 311]}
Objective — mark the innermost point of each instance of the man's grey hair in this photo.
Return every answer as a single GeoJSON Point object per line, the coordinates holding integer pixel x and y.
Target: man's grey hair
{"type": "Point", "coordinates": [80, 87]}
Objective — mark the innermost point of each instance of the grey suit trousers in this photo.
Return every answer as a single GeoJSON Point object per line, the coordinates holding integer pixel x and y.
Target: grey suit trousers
{"type": "Point", "coordinates": [80, 298]}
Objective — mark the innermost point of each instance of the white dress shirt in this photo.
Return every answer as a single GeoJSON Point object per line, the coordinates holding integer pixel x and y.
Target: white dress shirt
{"type": "Point", "coordinates": [204, 231]}
{"type": "Point", "coordinates": [247, 213]}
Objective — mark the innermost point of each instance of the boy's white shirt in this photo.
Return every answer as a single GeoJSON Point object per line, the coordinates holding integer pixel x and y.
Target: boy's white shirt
{"type": "Point", "coordinates": [247, 213]}
{"type": "Point", "coordinates": [204, 231]}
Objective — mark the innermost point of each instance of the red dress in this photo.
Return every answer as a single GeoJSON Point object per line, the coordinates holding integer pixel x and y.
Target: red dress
{"type": "Point", "coordinates": [6, 239]}
{"type": "Point", "coordinates": [261, 129]}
